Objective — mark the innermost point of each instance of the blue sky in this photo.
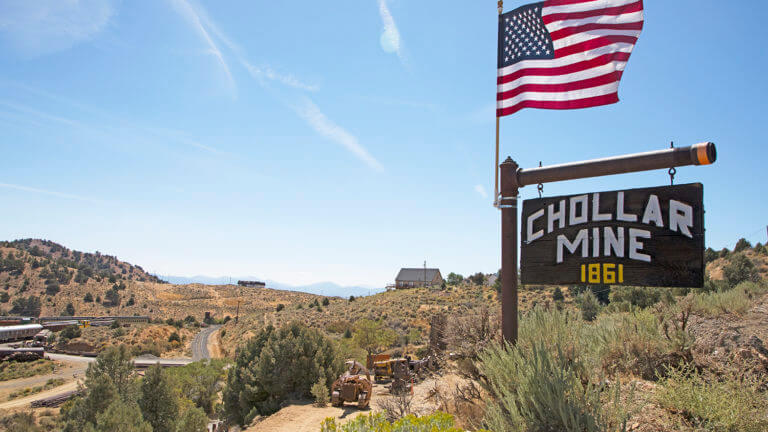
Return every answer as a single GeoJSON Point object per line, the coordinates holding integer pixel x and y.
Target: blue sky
{"type": "Point", "coordinates": [304, 142]}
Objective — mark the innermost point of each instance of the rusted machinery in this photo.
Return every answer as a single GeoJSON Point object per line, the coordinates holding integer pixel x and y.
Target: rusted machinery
{"type": "Point", "coordinates": [353, 386]}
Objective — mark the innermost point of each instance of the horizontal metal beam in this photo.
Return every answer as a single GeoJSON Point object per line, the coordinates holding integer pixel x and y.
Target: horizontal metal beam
{"type": "Point", "coordinates": [697, 154]}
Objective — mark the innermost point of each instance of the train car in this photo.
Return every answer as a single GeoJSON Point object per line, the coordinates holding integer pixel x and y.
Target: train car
{"type": "Point", "coordinates": [59, 325]}
{"type": "Point", "coordinates": [120, 319]}
{"type": "Point", "coordinates": [18, 332]}
{"type": "Point", "coordinates": [15, 320]}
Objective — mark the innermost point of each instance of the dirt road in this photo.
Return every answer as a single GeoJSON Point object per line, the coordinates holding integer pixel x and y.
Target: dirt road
{"type": "Point", "coordinates": [303, 418]}
{"type": "Point", "coordinates": [25, 401]}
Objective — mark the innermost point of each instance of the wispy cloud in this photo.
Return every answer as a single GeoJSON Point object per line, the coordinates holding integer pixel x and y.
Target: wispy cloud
{"type": "Point", "coordinates": [47, 192]}
{"type": "Point", "coordinates": [481, 191]}
{"type": "Point", "coordinates": [268, 73]}
{"type": "Point", "coordinates": [211, 32]}
{"type": "Point", "coordinates": [390, 36]}
{"type": "Point", "coordinates": [327, 128]}
{"type": "Point", "coordinates": [305, 108]}
{"type": "Point", "coordinates": [191, 14]}
{"type": "Point", "coordinates": [47, 26]}
{"type": "Point", "coordinates": [39, 114]}
{"type": "Point", "coordinates": [109, 126]}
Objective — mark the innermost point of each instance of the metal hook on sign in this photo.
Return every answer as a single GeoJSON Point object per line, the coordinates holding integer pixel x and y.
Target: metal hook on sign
{"type": "Point", "coordinates": [540, 186]}
{"type": "Point", "coordinates": [672, 171]}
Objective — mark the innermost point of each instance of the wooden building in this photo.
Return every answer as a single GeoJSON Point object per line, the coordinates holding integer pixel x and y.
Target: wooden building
{"type": "Point", "coordinates": [418, 277]}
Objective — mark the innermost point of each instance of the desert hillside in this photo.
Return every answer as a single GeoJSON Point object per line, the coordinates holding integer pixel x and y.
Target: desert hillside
{"type": "Point", "coordinates": [40, 277]}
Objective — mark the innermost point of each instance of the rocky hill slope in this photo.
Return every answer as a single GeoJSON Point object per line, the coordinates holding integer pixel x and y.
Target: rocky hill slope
{"type": "Point", "coordinates": [40, 277]}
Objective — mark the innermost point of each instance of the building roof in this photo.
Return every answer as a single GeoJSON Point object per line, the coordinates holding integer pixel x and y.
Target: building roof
{"type": "Point", "coordinates": [416, 274]}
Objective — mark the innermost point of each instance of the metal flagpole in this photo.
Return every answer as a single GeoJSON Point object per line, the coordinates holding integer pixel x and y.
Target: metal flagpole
{"type": "Point", "coordinates": [496, 165]}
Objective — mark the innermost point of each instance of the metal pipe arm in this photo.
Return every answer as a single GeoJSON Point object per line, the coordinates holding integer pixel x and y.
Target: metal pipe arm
{"type": "Point", "coordinates": [697, 154]}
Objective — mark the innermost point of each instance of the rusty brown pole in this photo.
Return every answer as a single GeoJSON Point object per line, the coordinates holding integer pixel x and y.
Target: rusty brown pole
{"type": "Point", "coordinates": [508, 206]}
{"type": "Point", "coordinates": [697, 154]}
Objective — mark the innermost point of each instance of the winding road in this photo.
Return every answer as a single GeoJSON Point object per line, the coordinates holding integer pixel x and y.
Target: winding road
{"type": "Point", "coordinates": [200, 343]}
{"type": "Point", "coordinates": [76, 366]}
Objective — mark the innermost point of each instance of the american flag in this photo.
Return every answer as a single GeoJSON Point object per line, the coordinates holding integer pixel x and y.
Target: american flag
{"type": "Point", "coordinates": [565, 54]}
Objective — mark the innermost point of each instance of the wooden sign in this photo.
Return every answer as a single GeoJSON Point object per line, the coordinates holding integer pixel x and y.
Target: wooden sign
{"type": "Point", "coordinates": [640, 237]}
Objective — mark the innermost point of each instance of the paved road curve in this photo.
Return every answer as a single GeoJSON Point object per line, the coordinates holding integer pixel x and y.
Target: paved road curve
{"type": "Point", "coordinates": [79, 364]}
{"type": "Point", "coordinates": [200, 343]}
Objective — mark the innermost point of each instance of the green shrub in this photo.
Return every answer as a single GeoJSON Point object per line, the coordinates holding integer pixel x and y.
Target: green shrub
{"type": "Point", "coordinates": [742, 245]}
{"type": "Point", "coordinates": [53, 288]}
{"type": "Point", "coordinates": [69, 310]}
{"type": "Point", "coordinates": [641, 297]}
{"type": "Point", "coordinates": [557, 295]}
{"type": "Point", "coordinates": [589, 305]}
{"type": "Point", "coordinates": [437, 422]}
{"type": "Point", "coordinates": [174, 337]}
{"type": "Point", "coordinates": [729, 404]}
{"type": "Point", "coordinates": [542, 390]}
{"type": "Point", "coordinates": [88, 298]}
{"type": "Point", "coordinates": [739, 269]}
{"type": "Point", "coordinates": [275, 365]}
{"type": "Point", "coordinates": [710, 255]}
{"type": "Point", "coordinates": [70, 332]}
{"type": "Point", "coordinates": [735, 301]}
{"type": "Point", "coordinates": [26, 306]}
{"type": "Point", "coordinates": [279, 307]}
{"type": "Point", "coordinates": [326, 302]}
{"type": "Point", "coordinates": [192, 420]}
{"type": "Point", "coordinates": [320, 393]}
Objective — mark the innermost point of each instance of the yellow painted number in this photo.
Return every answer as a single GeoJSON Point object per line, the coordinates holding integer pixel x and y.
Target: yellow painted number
{"type": "Point", "coordinates": [607, 273]}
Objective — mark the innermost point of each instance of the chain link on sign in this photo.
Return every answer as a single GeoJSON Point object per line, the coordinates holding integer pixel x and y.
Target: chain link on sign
{"type": "Point", "coordinates": [540, 186]}
{"type": "Point", "coordinates": [672, 171]}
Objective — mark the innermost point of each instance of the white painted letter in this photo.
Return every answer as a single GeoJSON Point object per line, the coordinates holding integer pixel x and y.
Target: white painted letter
{"type": "Point", "coordinates": [635, 245]}
{"type": "Point", "coordinates": [534, 235]}
{"type": "Point", "coordinates": [581, 239]}
{"type": "Point", "coordinates": [581, 199]}
{"type": "Point", "coordinates": [612, 242]}
{"type": "Point", "coordinates": [595, 242]}
{"type": "Point", "coordinates": [596, 216]}
{"type": "Point", "coordinates": [653, 212]}
{"type": "Point", "coordinates": [553, 216]}
{"type": "Point", "coordinates": [620, 215]}
{"type": "Point", "coordinates": [680, 217]}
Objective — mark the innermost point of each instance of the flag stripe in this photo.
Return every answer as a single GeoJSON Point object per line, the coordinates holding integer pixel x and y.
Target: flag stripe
{"type": "Point", "coordinates": [606, 99]}
{"type": "Point", "coordinates": [561, 87]}
{"type": "Point", "coordinates": [633, 17]}
{"type": "Point", "coordinates": [611, 11]}
{"type": "Point", "coordinates": [561, 96]}
{"type": "Point", "coordinates": [603, 69]}
{"type": "Point", "coordinates": [593, 44]}
{"type": "Point", "coordinates": [591, 35]}
{"type": "Point", "coordinates": [579, 6]}
{"type": "Point", "coordinates": [566, 65]}
{"type": "Point", "coordinates": [592, 27]}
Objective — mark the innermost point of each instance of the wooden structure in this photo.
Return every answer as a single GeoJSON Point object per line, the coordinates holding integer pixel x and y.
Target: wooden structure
{"type": "Point", "coordinates": [513, 178]}
{"type": "Point", "coordinates": [252, 284]}
{"type": "Point", "coordinates": [418, 277]}
{"type": "Point", "coordinates": [637, 237]}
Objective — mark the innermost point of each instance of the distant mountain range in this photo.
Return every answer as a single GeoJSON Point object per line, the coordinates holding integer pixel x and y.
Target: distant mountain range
{"type": "Point", "coordinates": [329, 289]}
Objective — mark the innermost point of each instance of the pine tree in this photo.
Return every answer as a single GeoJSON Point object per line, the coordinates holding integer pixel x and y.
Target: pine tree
{"type": "Point", "coordinates": [122, 417]}
{"type": "Point", "coordinates": [158, 403]}
{"type": "Point", "coordinates": [192, 420]}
